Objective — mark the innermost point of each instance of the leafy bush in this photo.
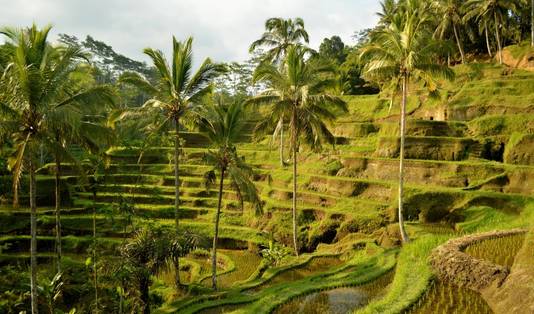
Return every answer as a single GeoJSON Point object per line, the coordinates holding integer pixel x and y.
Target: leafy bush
{"type": "Point", "coordinates": [275, 254]}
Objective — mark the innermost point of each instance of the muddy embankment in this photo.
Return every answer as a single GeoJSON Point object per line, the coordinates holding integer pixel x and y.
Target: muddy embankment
{"type": "Point", "coordinates": [505, 290]}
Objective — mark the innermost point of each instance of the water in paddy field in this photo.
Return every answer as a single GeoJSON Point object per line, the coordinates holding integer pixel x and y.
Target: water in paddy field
{"type": "Point", "coordinates": [221, 309]}
{"type": "Point", "coordinates": [444, 298]}
{"type": "Point", "coordinates": [501, 251]}
{"type": "Point", "coordinates": [316, 265]}
{"type": "Point", "coordinates": [337, 301]}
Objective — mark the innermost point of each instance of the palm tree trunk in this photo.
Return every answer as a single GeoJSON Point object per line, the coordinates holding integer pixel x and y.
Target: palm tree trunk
{"type": "Point", "coordinates": [58, 211]}
{"type": "Point", "coordinates": [120, 303]}
{"type": "Point", "coordinates": [177, 283]}
{"type": "Point", "coordinates": [532, 23]}
{"type": "Point", "coordinates": [216, 235]}
{"type": "Point", "coordinates": [458, 43]}
{"type": "Point", "coordinates": [487, 38]}
{"type": "Point", "coordinates": [33, 243]}
{"type": "Point", "coordinates": [177, 192]}
{"type": "Point", "coordinates": [294, 207]}
{"type": "Point", "coordinates": [16, 196]}
{"type": "Point", "coordinates": [144, 286]}
{"type": "Point", "coordinates": [404, 235]}
{"type": "Point", "coordinates": [498, 37]}
{"type": "Point", "coordinates": [282, 161]}
{"type": "Point", "coordinates": [95, 269]}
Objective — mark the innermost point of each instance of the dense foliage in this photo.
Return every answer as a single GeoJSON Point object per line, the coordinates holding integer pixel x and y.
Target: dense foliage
{"type": "Point", "coordinates": [69, 111]}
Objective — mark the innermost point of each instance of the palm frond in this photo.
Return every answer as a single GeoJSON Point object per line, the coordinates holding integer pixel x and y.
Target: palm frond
{"type": "Point", "coordinates": [138, 81]}
{"type": "Point", "coordinates": [162, 67]}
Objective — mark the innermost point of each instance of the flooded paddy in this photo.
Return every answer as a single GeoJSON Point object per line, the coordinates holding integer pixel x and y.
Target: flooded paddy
{"type": "Point", "coordinates": [444, 298]}
{"type": "Point", "coordinates": [337, 301]}
{"type": "Point", "coordinates": [501, 251]}
{"type": "Point", "coordinates": [316, 265]}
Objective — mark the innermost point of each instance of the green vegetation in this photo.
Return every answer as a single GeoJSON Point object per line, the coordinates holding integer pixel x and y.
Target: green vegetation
{"type": "Point", "coordinates": [447, 298]}
{"type": "Point", "coordinates": [150, 188]}
{"type": "Point", "coordinates": [412, 277]}
{"type": "Point", "coordinates": [500, 251]}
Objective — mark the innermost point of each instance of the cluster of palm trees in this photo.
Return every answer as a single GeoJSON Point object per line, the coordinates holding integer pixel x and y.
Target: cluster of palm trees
{"type": "Point", "coordinates": [293, 90]}
{"type": "Point", "coordinates": [176, 96]}
{"type": "Point", "coordinates": [45, 106]}
{"type": "Point", "coordinates": [454, 18]}
{"type": "Point", "coordinates": [296, 93]}
{"type": "Point", "coordinates": [49, 100]}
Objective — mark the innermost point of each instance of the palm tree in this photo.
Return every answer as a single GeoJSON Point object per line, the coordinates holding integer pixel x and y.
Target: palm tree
{"type": "Point", "coordinates": [223, 126]}
{"type": "Point", "coordinates": [279, 35]}
{"type": "Point", "coordinates": [483, 28]}
{"type": "Point", "coordinates": [145, 255]}
{"type": "Point", "coordinates": [175, 94]}
{"type": "Point", "coordinates": [491, 11]}
{"type": "Point", "coordinates": [73, 125]}
{"type": "Point", "coordinates": [404, 52]}
{"type": "Point", "coordinates": [450, 15]}
{"type": "Point", "coordinates": [388, 10]}
{"type": "Point", "coordinates": [179, 246]}
{"type": "Point", "coordinates": [296, 90]}
{"type": "Point", "coordinates": [39, 88]}
{"type": "Point", "coordinates": [51, 291]}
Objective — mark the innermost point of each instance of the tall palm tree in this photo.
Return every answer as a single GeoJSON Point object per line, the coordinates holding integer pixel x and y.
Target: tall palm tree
{"type": "Point", "coordinates": [279, 35]}
{"type": "Point", "coordinates": [450, 16]}
{"type": "Point", "coordinates": [223, 126]}
{"type": "Point", "coordinates": [74, 125]}
{"type": "Point", "coordinates": [484, 25]}
{"type": "Point", "coordinates": [491, 11]}
{"type": "Point", "coordinates": [296, 90]}
{"type": "Point", "coordinates": [402, 53]}
{"type": "Point", "coordinates": [39, 88]}
{"type": "Point", "coordinates": [175, 94]}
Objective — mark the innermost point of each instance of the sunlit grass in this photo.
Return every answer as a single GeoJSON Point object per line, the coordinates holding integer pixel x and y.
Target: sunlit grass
{"type": "Point", "coordinates": [412, 277]}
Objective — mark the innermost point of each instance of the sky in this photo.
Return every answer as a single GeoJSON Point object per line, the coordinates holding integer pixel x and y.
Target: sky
{"type": "Point", "coordinates": [222, 29]}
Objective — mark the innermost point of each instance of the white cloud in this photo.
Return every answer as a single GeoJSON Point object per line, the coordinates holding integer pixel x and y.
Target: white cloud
{"type": "Point", "coordinates": [222, 30]}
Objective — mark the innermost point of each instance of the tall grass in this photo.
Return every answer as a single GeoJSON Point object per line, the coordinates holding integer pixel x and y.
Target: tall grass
{"type": "Point", "coordinates": [501, 251]}
{"type": "Point", "coordinates": [412, 278]}
{"type": "Point", "coordinates": [443, 298]}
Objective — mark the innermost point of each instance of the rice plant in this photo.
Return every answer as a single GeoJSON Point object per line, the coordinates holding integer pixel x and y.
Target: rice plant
{"type": "Point", "coordinates": [246, 263]}
{"type": "Point", "coordinates": [444, 298]}
{"type": "Point", "coordinates": [501, 251]}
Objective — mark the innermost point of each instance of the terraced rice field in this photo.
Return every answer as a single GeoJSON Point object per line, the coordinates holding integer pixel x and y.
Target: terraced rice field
{"type": "Point", "coordinates": [337, 301]}
{"type": "Point", "coordinates": [443, 298]}
{"type": "Point", "coordinates": [501, 251]}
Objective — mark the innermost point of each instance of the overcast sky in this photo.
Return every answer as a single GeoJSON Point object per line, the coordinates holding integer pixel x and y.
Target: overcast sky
{"type": "Point", "coordinates": [222, 29]}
